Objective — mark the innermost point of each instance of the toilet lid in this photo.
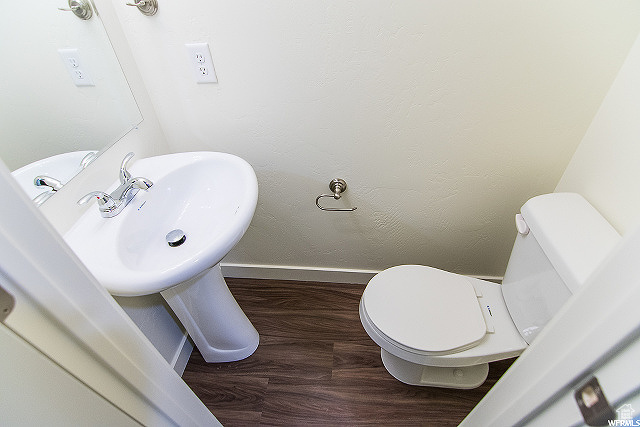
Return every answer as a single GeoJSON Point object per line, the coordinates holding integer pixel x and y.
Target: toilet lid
{"type": "Point", "coordinates": [425, 309]}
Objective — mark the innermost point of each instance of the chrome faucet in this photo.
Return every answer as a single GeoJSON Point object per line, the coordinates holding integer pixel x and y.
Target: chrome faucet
{"type": "Point", "coordinates": [45, 181]}
{"type": "Point", "coordinates": [112, 204]}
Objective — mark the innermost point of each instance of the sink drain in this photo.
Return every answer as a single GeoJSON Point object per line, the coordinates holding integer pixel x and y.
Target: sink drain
{"type": "Point", "coordinates": [176, 237]}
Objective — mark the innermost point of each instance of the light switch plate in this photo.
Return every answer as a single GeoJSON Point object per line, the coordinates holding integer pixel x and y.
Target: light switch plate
{"type": "Point", "coordinates": [201, 62]}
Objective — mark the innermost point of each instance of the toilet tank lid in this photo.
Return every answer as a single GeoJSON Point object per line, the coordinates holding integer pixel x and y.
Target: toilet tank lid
{"type": "Point", "coordinates": [572, 234]}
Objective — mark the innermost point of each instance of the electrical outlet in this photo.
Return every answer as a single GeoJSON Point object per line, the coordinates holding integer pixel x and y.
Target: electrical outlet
{"type": "Point", "coordinates": [76, 69]}
{"type": "Point", "coordinates": [201, 62]}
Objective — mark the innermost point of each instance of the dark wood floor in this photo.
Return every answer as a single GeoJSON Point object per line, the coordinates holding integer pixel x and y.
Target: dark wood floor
{"type": "Point", "coordinates": [316, 365]}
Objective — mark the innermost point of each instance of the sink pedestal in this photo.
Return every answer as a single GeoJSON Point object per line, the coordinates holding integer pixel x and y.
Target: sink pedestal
{"type": "Point", "coordinates": [212, 317]}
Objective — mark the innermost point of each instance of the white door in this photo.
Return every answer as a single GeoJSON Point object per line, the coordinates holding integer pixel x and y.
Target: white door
{"type": "Point", "coordinates": [595, 335]}
{"type": "Point", "coordinates": [37, 391]}
{"type": "Point", "coordinates": [60, 309]}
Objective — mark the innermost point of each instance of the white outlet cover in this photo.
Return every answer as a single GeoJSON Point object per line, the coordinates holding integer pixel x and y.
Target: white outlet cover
{"type": "Point", "coordinates": [76, 68]}
{"type": "Point", "coordinates": [201, 62]}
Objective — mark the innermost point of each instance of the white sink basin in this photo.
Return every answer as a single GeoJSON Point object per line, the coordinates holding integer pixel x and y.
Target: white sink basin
{"type": "Point", "coordinates": [211, 197]}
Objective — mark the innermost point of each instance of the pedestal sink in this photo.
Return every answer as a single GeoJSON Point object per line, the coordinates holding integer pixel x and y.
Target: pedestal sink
{"type": "Point", "coordinates": [210, 198]}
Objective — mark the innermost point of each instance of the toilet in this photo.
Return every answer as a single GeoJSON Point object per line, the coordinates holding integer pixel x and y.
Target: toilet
{"type": "Point", "coordinates": [437, 328]}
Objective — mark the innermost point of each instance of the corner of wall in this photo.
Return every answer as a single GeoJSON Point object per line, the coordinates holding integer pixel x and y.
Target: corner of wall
{"type": "Point", "coordinates": [604, 167]}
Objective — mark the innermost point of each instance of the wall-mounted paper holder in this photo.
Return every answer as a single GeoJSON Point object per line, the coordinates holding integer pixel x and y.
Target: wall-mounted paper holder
{"type": "Point", "coordinates": [337, 186]}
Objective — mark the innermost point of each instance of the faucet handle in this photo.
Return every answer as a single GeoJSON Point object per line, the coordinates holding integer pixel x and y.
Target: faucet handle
{"type": "Point", "coordinates": [125, 175]}
{"type": "Point", "coordinates": [105, 201]}
{"type": "Point", "coordinates": [90, 157]}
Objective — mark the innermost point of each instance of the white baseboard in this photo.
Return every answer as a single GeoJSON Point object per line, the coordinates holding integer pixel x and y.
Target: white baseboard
{"type": "Point", "coordinates": [182, 355]}
{"type": "Point", "coordinates": [308, 274]}
{"type": "Point", "coordinates": [305, 274]}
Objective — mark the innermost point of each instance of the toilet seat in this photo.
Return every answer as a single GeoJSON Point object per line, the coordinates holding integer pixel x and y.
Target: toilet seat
{"type": "Point", "coordinates": [424, 310]}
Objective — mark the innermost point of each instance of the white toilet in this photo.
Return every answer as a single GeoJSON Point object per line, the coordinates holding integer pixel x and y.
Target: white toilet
{"type": "Point", "coordinates": [441, 329]}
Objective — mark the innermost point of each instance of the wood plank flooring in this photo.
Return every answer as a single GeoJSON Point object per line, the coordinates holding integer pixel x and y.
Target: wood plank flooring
{"type": "Point", "coordinates": [316, 365]}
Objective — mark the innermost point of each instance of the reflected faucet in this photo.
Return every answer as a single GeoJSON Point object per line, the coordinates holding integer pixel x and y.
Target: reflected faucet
{"type": "Point", "coordinates": [112, 204]}
{"type": "Point", "coordinates": [45, 181]}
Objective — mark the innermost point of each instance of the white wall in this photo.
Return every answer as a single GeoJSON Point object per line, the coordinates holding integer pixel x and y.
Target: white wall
{"type": "Point", "coordinates": [443, 117]}
{"type": "Point", "coordinates": [606, 165]}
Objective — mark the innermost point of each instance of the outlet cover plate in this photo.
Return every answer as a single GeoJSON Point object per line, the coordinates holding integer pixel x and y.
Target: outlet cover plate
{"type": "Point", "coordinates": [76, 68]}
{"type": "Point", "coordinates": [201, 62]}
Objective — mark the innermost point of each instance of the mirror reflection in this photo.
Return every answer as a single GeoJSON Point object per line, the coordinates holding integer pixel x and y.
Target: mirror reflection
{"type": "Point", "coordinates": [64, 96]}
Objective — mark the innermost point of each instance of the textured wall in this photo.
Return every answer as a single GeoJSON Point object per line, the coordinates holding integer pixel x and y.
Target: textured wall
{"type": "Point", "coordinates": [605, 166]}
{"type": "Point", "coordinates": [443, 117]}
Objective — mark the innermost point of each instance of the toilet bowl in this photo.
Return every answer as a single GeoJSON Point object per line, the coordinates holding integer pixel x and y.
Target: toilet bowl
{"type": "Point", "coordinates": [437, 328]}
{"type": "Point", "coordinates": [424, 317]}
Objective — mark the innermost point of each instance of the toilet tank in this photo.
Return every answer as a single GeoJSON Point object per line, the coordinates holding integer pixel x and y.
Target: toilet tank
{"type": "Point", "coordinates": [562, 240]}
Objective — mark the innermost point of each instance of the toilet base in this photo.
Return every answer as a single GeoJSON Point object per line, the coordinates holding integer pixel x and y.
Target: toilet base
{"type": "Point", "coordinates": [466, 377]}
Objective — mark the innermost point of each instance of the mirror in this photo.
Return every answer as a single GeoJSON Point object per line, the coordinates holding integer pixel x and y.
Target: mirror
{"type": "Point", "coordinates": [43, 112]}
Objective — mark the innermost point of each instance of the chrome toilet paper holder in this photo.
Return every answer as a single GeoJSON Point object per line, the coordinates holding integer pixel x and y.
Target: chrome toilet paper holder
{"type": "Point", "coordinates": [337, 186]}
